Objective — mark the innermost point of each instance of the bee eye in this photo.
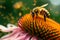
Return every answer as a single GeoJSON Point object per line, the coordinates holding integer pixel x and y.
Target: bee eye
{"type": "Point", "coordinates": [36, 10]}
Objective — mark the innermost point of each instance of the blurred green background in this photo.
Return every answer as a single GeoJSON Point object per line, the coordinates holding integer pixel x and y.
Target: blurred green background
{"type": "Point", "coordinates": [12, 10]}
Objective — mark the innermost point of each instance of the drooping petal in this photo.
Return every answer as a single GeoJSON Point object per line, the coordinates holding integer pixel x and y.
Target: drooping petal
{"type": "Point", "coordinates": [10, 27]}
{"type": "Point", "coordinates": [3, 28]}
{"type": "Point", "coordinates": [17, 30]}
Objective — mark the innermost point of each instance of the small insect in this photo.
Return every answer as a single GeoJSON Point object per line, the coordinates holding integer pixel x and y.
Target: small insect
{"type": "Point", "coordinates": [41, 10]}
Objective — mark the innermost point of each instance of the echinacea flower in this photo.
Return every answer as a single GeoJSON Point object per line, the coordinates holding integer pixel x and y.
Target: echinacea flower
{"type": "Point", "coordinates": [33, 27]}
{"type": "Point", "coordinates": [37, 29]}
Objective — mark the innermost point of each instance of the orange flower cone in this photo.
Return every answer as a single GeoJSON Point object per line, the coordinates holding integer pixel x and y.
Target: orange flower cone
{"type": "Point", "coordinates": [46, 30]}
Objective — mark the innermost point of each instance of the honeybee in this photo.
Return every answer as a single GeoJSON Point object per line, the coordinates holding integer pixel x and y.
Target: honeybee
{"type": "Point", "coordinates": [42, 11]}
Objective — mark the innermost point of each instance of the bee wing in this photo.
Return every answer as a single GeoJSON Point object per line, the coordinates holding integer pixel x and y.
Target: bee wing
{"type": "Point", "coordinates": [44, 5]}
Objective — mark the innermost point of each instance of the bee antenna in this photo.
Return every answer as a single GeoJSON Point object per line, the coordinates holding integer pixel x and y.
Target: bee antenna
{"type": "Point", "coordinates": [44, 5]}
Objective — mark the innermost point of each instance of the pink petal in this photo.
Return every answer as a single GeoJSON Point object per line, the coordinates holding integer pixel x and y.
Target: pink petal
{"type": "Point", "coordinates": [28, 37]}
{"type": "Point", "coordinates": [22, 37]}
{"type": "Point", "coordinates": [34, 38]}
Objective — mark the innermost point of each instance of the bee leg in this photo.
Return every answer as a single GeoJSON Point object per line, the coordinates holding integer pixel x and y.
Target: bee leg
{"type": "Point", "coordinates": [36, 15]}
{"type": "Point", "coordinates": [32, 14]}
{"type": "Point", "coordinates": [47, 15]}
{"type": "Point", "coordinates": [44, 17]}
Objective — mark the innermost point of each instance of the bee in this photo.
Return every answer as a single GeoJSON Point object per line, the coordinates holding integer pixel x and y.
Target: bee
{"type": "Point", "coordinates": [42, 11]}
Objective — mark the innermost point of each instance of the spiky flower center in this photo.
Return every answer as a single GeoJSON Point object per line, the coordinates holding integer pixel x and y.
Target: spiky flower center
{"type": "Point", "coordinates": [38, 27]}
